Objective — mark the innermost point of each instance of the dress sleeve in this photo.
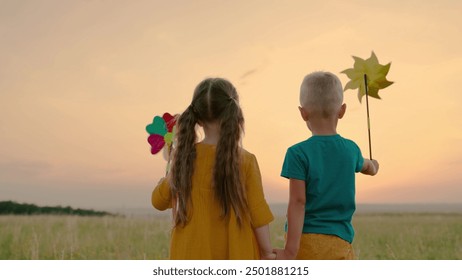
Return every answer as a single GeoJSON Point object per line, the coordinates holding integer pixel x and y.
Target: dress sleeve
{"type": "Point", "coordinates": [161, 197]}
{"type": "Point", "coordinates": [260, 213]}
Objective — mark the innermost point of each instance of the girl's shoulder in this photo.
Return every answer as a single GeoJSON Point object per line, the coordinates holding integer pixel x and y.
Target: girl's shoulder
{"type": "Point", "coordinates": [246, 154]}
{"type": "Point", "coordinates": [248, 159]}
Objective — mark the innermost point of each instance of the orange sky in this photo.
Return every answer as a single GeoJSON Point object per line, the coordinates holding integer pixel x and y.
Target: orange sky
{"type": "Point", "coordinates": [79, 80]}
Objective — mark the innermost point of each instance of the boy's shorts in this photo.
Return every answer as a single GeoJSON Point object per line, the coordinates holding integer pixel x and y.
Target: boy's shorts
{"type": "Point", "coordinates": [314, 246]}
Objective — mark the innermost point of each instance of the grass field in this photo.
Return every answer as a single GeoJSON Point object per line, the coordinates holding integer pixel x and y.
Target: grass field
{"type": "Point", "coordinates": [378, 236]}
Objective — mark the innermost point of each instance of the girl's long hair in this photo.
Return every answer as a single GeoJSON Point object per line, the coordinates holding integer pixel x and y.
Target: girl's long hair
{"type": "Point", "coordinates": [214, 99]}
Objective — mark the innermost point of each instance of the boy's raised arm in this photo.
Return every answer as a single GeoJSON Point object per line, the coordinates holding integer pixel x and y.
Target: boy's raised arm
{"type": "Point", "coordinates": [295, 219]}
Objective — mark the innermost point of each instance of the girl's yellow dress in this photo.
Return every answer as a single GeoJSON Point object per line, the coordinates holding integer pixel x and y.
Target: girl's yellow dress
{"type": "Point", "coordinates": [207, 235]}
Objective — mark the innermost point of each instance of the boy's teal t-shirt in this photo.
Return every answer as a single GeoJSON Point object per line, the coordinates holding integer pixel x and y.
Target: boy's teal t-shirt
{"type": "Point", "coordinates": [328, 165]}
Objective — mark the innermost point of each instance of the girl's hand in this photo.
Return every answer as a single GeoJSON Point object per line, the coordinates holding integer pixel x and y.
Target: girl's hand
{"type": "Point", "coordinates": [268, 256]}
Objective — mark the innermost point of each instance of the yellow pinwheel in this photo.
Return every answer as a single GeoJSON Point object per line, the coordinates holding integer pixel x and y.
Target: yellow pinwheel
{"type": "Point", "coordinates": [368, 76]}
{"type": "Point", "coordinates": [375, 73]}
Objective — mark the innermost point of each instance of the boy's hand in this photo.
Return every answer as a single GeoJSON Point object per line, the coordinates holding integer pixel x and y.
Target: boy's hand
{"type": "Point", "coordinates": [370, 167]}
{"type": "Point", "coordinates": [376, 165]}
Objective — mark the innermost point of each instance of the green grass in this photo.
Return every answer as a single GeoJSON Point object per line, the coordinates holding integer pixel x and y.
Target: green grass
{"type": "Point", "coordinates": [378, 236]}
{"type": "Point", "coordinates": [73, 237]}
{"type": "Point", "coordinates": [408, 236]}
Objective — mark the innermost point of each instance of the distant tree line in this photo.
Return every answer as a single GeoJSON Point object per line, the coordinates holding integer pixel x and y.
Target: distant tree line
{"type": "Point", "coordinates": [14, 208]}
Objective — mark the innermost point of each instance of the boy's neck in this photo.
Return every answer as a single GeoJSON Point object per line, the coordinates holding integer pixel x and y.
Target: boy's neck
{"type": "Point", "coordinates": [323, 127]}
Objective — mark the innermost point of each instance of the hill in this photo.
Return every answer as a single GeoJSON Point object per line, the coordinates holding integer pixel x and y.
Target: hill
{"type": "Point", "coordinates": [14, 208]}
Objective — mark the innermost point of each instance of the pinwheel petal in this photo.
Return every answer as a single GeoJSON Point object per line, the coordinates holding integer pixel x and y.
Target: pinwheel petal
{"type": "Point", "coordinates": [168, 138]}
{"type": "Point", "coordinates": [157, 142]}
{"type": "Point", "coordinates": [157, 126]}
{"type": "Point", "coordinates": [170, 121]}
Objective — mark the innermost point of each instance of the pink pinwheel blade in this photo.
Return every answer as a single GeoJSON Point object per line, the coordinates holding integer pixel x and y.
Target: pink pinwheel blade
{"type": "Point", "coordinates": [157, 142]}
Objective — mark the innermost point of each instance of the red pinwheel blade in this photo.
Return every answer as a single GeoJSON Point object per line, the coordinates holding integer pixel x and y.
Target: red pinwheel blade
{"type": "Point", "coordinates": [169, 121]}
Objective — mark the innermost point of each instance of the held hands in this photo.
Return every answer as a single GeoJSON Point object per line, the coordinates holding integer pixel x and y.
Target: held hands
{"type": "Point", "coordinates": [267, 256]}
{"type": "Point", "coordinates": [277, 254]}
{"type": "Point", "coordinates": [283, 254]}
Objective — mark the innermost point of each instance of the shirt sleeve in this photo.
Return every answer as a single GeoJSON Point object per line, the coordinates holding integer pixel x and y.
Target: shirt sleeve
{"type": "Point", "coordinates": [161, 196]}
{"type": "Point", "coordinates": [360, 160]}
{"type": "Point", "coordinates": [260, 213]}
{"type": "Point", "coordinates": [294, 166]}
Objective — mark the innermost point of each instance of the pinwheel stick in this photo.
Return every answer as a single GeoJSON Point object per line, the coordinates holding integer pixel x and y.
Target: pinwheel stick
{"type": "Point", "coordinates": [368, 118]}
{"type": "Point", "coordinates": [169, 151]}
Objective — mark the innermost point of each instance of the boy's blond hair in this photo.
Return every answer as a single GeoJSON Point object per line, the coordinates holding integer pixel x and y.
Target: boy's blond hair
{"type": "Point", "coordinates": [321, 94]}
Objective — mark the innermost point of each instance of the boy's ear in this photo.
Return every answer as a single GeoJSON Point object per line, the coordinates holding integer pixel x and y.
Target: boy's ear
{"type": "Point", "coordinates": [303, 113]}
{"type": "Point", "coordinates": [342, 111]}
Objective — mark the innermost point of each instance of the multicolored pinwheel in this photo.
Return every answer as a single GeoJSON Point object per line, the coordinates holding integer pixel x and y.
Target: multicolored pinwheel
{"type": "Point", "coordinates": [161, 132]}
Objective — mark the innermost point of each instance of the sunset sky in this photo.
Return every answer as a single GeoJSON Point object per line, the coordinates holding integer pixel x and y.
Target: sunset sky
{"type": "Point", "coordinates": [80, 80]}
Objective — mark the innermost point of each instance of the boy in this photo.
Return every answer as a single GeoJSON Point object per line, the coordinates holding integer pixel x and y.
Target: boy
{"type": "Point", "coordinates": [321, 172]}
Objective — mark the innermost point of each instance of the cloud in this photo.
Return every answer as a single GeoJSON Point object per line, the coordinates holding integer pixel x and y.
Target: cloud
{"type": "Point", "coordinates": [243, 79]}
{"type": "Point", "coordinates": [248, 73]}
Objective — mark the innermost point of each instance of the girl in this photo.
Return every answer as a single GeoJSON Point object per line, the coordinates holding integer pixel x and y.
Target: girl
{"type": "Point", "coordinates": [214, 187]}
